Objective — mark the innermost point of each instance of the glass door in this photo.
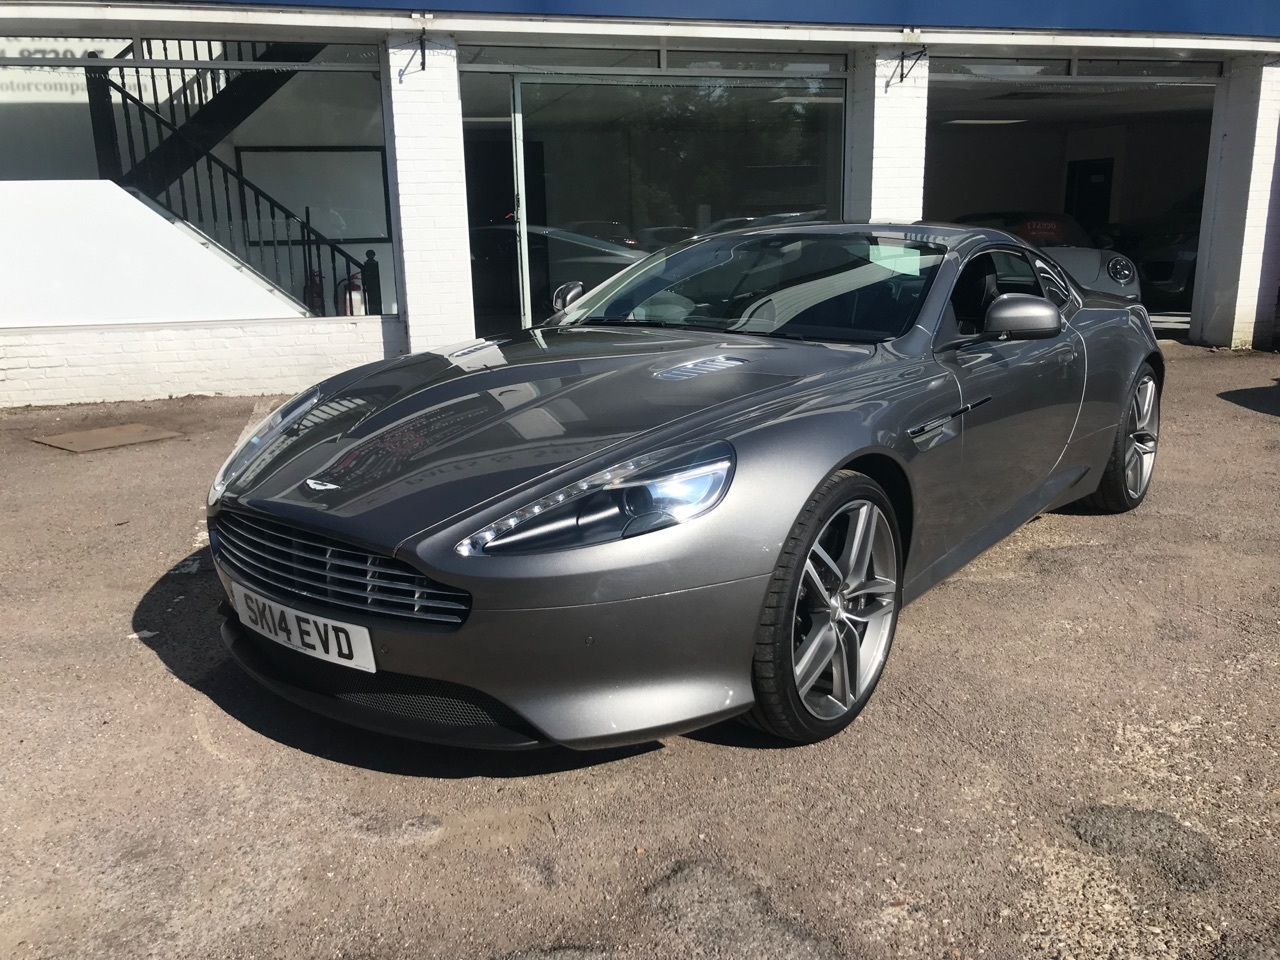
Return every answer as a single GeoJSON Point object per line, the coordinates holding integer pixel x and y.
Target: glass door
{"type": "Point", "coordinates": [610, 169]}
{"type": "Point", "coordinates": [490, 138]}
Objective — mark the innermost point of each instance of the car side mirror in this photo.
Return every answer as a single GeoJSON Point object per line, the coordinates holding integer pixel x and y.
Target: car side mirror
{"type": "Point", "coordinates": [566, 293]}
{"type": "Point", "coordinates": [1020, 316]}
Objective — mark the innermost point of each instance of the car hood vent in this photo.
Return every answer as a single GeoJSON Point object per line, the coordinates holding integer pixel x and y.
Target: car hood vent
{"type": "Point", "coordinates": [687, 371]}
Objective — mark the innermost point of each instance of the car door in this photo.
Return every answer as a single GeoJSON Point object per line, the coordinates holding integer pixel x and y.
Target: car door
{"type": "Point", "coordinates": [1020, 399]}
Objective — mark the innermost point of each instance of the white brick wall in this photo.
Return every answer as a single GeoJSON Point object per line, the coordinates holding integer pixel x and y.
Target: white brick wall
{"type": "Point", "coordinates": [147, 362]}
{"type": "Point", "coordinates": [1238, 260]}
{"type": "Point", "coordinates": [1260, 253]}
{"type": "Point", "coordinates": [887, 136]}
{"type": "Point", "coordinates": [429, 189]}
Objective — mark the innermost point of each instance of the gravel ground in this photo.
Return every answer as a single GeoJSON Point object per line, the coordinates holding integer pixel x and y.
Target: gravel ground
{"type": "Point", "coordinates": [1073, 751]}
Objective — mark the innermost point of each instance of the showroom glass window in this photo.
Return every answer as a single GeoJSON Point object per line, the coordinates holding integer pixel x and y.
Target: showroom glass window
{"type": "Point", "coordinates": [625, 152]}
{"type": "Point", "coordinates": [273, 152]}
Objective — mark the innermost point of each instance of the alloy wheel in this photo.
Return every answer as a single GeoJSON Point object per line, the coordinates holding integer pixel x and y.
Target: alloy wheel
{"type": "Point", "coordinates": [844, 613]}
{"type": "Point", "coordinates": [1143, 438]}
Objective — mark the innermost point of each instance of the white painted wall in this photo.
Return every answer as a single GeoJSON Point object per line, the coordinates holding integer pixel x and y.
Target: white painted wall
{"type": "Point", "coordinates": [1238, 264]}
{"type": "Point", "coordinates": [117, 303]}
{"type": "Point", "coordinates": [429, 189]}
{"type": "Point", "coordinates": [92, 253]}
{"type": "Point", "coordinates": [887, 117]}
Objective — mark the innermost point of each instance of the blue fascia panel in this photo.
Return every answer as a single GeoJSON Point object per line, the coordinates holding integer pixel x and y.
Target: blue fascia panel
{"type": "Point", "coordinates": [1239, 18]}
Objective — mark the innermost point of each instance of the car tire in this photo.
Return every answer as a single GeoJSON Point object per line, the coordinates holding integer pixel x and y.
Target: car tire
{"type": "Point", "coordinates": [1137, 436]}
{"type": "Point", "coordinates": [835, 594]}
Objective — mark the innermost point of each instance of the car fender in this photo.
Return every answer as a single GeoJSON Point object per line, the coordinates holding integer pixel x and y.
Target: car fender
{"type": "Point", "coordinates": [780, 461]}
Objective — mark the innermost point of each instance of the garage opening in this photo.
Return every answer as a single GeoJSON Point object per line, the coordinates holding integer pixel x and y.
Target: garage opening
{"type": "Point", "coordinates": [1079, 156]}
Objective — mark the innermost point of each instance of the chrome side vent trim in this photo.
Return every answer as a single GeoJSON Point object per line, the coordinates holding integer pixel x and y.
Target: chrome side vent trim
{"type": "Point", "coordinates": [687, 371]}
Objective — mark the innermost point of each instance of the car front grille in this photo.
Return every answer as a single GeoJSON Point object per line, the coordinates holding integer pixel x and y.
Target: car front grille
{"type": "Point", "coordinates": [283, 559]}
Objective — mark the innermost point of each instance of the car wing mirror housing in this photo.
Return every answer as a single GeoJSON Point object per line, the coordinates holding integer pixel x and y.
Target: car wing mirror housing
{"type": "Point", "coordinates": [1020, 316]}
{"type": "Point", "coordinates": [566, 293]}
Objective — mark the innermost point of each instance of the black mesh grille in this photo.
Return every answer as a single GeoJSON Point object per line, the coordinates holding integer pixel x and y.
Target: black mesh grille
{"type": "Point", "coordinates": [418, 698]}
{"type": "Point", "coordinates": [285, 560]}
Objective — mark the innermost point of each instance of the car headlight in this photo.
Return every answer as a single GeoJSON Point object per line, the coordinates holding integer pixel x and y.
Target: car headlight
{"type": "Point", "coordinates": [280, 419]}
{"type": "Point", "coordinates": [1121, 270]}
{"type": "Point", "coordinates": [636, 496]}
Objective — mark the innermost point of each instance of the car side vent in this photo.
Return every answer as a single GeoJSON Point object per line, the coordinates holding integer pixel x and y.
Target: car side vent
{"type": "Point", "coordinates": [687, 371]}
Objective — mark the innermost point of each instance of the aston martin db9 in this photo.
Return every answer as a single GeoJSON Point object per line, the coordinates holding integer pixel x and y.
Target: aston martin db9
{"type": "Point", "coordinates": [704, 489]}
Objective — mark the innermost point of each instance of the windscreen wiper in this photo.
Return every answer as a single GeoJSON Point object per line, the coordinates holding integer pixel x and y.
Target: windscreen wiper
{"type": "Point", "coordinates": [784, 335]}
{"type": "Point", "coordinates": [629, 321]}
{"type": "Point", "coordinates": [667, 324]}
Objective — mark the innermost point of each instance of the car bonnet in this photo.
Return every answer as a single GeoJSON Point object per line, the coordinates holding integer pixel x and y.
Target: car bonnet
{"type": "Point", "coordinates": [428, 437]}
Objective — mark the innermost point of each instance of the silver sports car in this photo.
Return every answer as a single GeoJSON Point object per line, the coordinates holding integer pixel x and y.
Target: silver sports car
{"type": "Point", "coordinates": [1090, 266]}
{"type": "Point", "coordinates": [704, 489]}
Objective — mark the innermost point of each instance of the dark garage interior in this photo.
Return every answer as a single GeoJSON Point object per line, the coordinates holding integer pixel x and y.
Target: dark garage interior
{"type": "Point", "coordinates": [1125, 156]}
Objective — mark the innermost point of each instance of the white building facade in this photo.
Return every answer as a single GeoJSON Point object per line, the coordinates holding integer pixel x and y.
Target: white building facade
{"type": "Point", "coordinates": [243, 199]}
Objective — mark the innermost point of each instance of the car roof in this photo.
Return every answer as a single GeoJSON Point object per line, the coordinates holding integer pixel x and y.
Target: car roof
{"type": "Point", "coordinates": [557, 233]}
{"type": "Point", "coordinates": [953, 236]}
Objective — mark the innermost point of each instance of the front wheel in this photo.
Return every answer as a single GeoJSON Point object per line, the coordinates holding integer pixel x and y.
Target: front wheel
{"type": "Point", "coordinates": [830, 614]}
{"type": "Point", "coordinates": [1127, 476]}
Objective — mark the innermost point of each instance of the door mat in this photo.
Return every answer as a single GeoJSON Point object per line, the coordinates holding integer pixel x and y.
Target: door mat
{"type": "Point", "coordinates": [83, 441]}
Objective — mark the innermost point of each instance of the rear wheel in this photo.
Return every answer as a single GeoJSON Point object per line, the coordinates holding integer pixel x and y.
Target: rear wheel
{"type": "Point", "coordinates": [830, 614]}
{"type": "Point", "coordinates": [1127, 476]}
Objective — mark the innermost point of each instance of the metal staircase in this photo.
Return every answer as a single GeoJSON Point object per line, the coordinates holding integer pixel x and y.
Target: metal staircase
{"type": "Point", "coordinates": [158, 141]}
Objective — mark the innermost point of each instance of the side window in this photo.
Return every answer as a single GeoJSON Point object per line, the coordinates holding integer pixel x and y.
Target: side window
{"type": "Point", "coordinates": [975, 288]}
{"type": "Point", "coordinates": [1055, 288]}
{"type": "Point", "coordinates": [1014, 274]}
{"type": "Point", "coordinates": [985, 277]}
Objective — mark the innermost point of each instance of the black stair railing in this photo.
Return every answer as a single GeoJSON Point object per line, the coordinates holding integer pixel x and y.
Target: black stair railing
{"type": "Point", "coordinates": [226, 207]}
{"type": "Point", "coordinates": [181, 92]}
{"type": "Point", "coordinates": [206, 102]}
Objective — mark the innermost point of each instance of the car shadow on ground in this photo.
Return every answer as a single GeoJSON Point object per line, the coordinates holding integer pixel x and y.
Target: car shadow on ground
{"type": "Point", "coordinates": [1257, 399]}
{"type": "Point", "coordinates": [177, 619]}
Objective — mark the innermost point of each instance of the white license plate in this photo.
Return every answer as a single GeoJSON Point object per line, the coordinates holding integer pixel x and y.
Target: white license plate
{"type": "Point", "coordinates": [345, 644]}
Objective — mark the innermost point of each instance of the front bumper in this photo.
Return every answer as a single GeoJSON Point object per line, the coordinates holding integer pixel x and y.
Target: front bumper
{"type": "Point", "coordinates": [1166, 273]}
{"type": "Point", "coordinates": [587, 676]}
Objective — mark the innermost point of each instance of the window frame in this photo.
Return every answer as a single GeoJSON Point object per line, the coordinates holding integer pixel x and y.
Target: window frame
{"type": "Point", "coordinates": [940, 334]}
{"type": "Point", "coordinates": [1060, 276]}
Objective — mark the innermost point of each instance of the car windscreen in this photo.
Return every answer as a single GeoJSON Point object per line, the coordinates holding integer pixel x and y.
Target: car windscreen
{"type": "Point", "coordinates": [844, 287]}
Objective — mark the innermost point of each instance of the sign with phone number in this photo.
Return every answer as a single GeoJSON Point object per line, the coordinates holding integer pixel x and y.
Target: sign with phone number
{"type": "Point", "coordinates": [53, 76]}
{"type": "Point", "coordinates": [59, 48]}
{"type": "Point", "coordinates": [51, 53]}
